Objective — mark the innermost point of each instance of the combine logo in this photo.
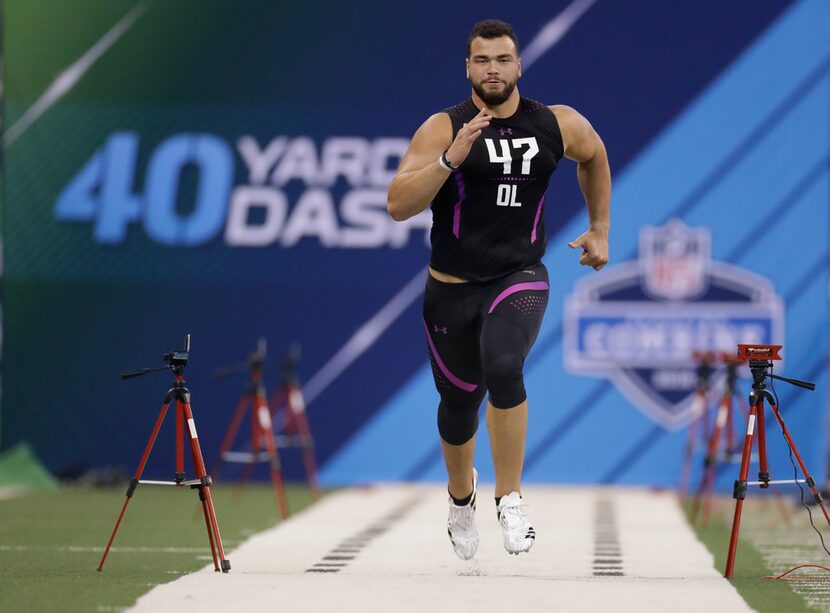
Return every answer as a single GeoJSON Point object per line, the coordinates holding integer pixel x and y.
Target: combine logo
{"type": "Point", "coordinates": [639, 323]}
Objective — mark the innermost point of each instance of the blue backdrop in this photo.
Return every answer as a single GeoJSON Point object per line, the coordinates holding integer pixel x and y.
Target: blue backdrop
{"type": "Point", "coordinates": [222, 171]}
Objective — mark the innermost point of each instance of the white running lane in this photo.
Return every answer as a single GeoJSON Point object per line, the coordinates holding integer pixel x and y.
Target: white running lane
{"type": "Point", "coordinates": [385, 548]}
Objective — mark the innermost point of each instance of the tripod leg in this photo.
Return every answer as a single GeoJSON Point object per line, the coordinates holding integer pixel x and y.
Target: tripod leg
{"type": "Point", "coordinates": [199, 465]}
{"type": "Point", "coordinates": [730, 427]}
{"type": "Point", "coordinates": [211, 512]}
{"type": "Point", "coordinates": [199, 475]}
{"type": "Point", "coordinates": [296, 407]}
{"type": "Point", "coordinates": [724, 422]}
{"type": "Point", "coordinates": [763, 468]}
{"type": "Point", "coordinates": [230, 436]}
{"type": "Point", "coordinates": [209, 529]}
{"type": "Point", "coordinates": [134, 482]}
{"type": "Point", "coordinates": [688, 450]}
{"type": "Point", "coordinates": [248, 470]}
{"type": "Point", "coordinates": [810, 481]}
{"type": "Point", "coordinates": [709, 465]}
{"type": "Point", "coordinates": [180, 475]}
{"type": "Point", "coordinates": [266, 435]}
{"type": "Point", "coordinates": [739, 492]}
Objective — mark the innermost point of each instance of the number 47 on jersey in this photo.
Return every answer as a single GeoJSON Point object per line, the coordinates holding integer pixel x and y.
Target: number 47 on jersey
{"type": "Point", "coordinates": [506, 192]}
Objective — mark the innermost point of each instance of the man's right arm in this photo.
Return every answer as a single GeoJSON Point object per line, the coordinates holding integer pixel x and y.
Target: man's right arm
{"type": "Point", "coordinates": [420, 176]}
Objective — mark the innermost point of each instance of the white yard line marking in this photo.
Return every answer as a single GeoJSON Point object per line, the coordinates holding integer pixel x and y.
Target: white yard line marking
{"type": "Point", "coordinates": [66, 80]}
{"type": "Point", "coordinates": [784, 546]}
{"type": "Point", "coordinates": [408, 564]}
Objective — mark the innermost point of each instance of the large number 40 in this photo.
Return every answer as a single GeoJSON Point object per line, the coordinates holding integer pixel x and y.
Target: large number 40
{"type": "Point", "coordinates": [103, 190]}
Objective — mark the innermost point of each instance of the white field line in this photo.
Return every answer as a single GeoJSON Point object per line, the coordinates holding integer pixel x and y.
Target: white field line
{"type": "Point", "coordinates": [784, 546]}
{"type": "Point", "coordinates": [66, 80]}
{"type": "Point", "coordinates": [386, 549]}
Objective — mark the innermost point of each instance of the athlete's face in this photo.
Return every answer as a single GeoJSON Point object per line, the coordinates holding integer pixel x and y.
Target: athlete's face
{"type": "Point", "coordinates": [493, 68]}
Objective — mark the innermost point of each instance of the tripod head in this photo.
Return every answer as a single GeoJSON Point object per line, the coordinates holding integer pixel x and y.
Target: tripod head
{"type": "Point", "coordinates": [760, 363]}
{"type": "Point", "coordinates": [176, 361]}
{"type": "Point", "coordinates": [705, 368]}
{"type": "Point", "coordinates": [254, 361]}
{"type": "Point", "coordinates": [290, 361]}
{"type": "Point", "coordinates": [732, 362]}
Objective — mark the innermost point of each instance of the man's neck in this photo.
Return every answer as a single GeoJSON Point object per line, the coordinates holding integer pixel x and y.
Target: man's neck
{"type": "Point", "coordinates": [499, 111]}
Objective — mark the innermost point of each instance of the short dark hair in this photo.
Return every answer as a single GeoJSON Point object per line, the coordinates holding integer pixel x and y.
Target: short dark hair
{"type": "Point", "coordinates": [492, 28]}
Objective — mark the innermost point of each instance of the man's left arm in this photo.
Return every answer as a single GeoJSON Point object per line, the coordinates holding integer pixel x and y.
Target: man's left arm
{"type": "Point", "coordinates": [584, 146]}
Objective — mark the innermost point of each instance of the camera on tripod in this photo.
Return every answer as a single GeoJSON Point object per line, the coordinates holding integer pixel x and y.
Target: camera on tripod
{"type": "Point", "coordinates": [760, 360]}
{"type": "Point", "coordinates": [759, 352]}
{"type": "Point", "coordinates": [179, 396]}
{"type": "Point", "coordinates": [176, 361]}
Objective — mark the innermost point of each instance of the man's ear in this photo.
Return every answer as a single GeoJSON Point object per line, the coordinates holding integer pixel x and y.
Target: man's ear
{"type": "Point", "coordinates": [467, 67]}
{"type": "Point", "coordinates": [520, 66]}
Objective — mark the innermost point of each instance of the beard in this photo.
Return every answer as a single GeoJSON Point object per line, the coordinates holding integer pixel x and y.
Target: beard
{"type": "Point", "coordinates": [492, 97]}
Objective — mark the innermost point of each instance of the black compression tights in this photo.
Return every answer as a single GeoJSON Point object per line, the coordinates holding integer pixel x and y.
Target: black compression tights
{"type": "Point", "coordinates": [479, 335]}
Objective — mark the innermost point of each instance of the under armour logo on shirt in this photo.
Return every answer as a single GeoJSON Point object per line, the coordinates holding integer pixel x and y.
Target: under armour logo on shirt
{"type": "Point", "coordinates": [505, 131]}
{"type": "Point", "coordinates": [443, 330]}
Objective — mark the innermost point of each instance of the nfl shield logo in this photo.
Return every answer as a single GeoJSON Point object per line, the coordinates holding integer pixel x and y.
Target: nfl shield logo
{"type": "Point", "coordinates": [638, 322]}
{"type": "Point", "coordinates": [675, 260]}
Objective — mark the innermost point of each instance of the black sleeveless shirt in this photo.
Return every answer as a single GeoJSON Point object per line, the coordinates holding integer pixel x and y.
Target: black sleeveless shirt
{"type": "Point", "coordinates": [488, 217]}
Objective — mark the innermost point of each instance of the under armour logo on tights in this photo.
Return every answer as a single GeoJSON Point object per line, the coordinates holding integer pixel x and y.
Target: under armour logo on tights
{"type": "Point", "coordinates": [436, 329]}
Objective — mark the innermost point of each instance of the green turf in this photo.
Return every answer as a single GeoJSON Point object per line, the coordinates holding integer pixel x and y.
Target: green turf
{"type": "Point", "coordinates": [51, 542]}
{"type": "Point", "coordinates": [20, 467]}
{"type": "Point", "coordinates": [763, 595]}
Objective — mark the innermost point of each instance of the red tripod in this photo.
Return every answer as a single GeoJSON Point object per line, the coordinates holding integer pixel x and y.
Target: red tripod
{"type": "Point", "coordinates": [295, 428]}
{"type": "Point", "coordinates": [697, 425]}
{"type": "Point", "coordinates": [723, 421]}
{"type": "Point", "coordinates": [177, 360]}
{"type": "Point", "coordinates": [760, 363]}
{"type": "Point", "coordinates": [263, 441]}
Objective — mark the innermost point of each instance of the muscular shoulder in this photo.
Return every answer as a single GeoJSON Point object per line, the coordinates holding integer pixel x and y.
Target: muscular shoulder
{"type": "Point", "coordinates": [577, 132]}
{"type": "Point", "coordinates": [437, 128]}
{"type": "Point", "coordinates": [429, 141]}
{"type": "Point", "coordinates": [570, 120]}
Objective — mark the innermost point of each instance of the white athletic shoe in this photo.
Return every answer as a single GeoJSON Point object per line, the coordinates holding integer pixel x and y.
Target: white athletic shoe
{"type": "Point", "coordinates": [461, 525]}
{"type": "Point", "coordinates": [518, 534]}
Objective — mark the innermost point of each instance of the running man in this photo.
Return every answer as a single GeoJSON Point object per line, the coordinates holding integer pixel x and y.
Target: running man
{"type": "Point", "coordinates": [483, 166]}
